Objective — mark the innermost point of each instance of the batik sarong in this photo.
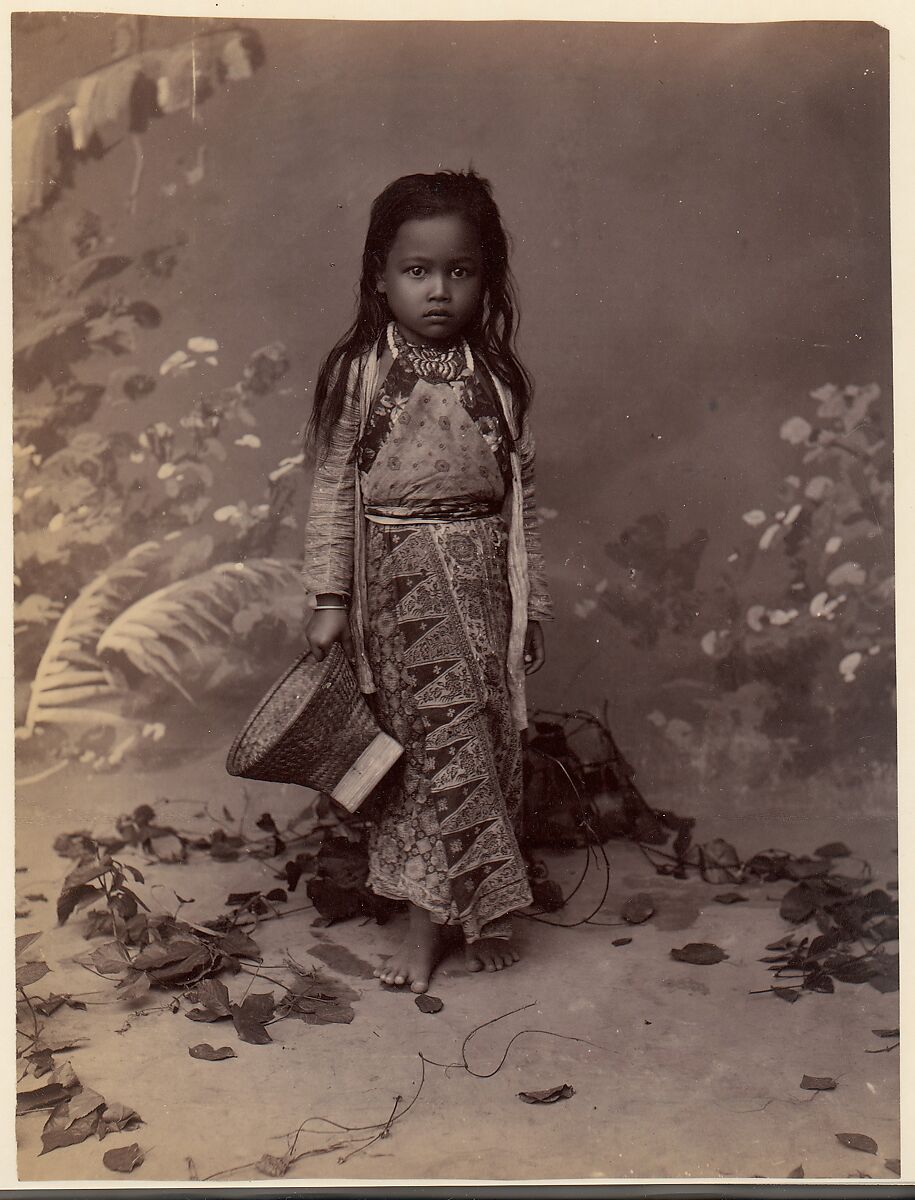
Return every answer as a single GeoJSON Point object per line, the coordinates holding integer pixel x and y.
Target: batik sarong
{"type": "Point", "coordinates": [439, 613]}
{"type": "Point", "coordinates": [438, 609]}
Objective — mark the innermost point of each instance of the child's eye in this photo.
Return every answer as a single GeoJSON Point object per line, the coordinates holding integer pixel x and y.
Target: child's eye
{"type": "Point", "coordinates": [416, 272]}
{"type": "Point", "coordinates": [459, 272]}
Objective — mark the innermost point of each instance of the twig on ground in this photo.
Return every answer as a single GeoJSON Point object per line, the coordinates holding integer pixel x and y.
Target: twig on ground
{"type": "Point", "coordinates": [489, 1074]}
{"type": "Point", "coordinates": [378, 1130]}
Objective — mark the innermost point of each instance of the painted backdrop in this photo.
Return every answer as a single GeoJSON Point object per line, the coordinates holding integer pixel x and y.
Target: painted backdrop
{"type": "Point", "coordinates": [701, 230]}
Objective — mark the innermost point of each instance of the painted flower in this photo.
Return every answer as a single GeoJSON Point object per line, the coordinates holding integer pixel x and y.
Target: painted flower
{"type": "Point", "coordinates": [833, 545]}
{"type": "Point", "coordinates": [755, 516]}
{"type": "Point", "coordinates": [173, 361]}
{"type": "Point", "coordinates": [781, 616]}
{"type": "Point", "coordinates": [818, 487]}
{"type": "Point", "coordinates": [849, 665]}
{"type": "Point", "coordinates": [848, 572]}
{"type": "Point", "coordinates": [755, 614]}
{"type": "Point", "coordinates": [249, 439]}
{"type": "Point", "coordinates": [796, 430]}
{"type": "Point", "coordinates": [768, 537]}
{"type": "Point", "coordinates": [818, 604]}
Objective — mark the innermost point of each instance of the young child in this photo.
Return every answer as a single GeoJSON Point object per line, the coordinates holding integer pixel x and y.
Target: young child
{"type": "Point", "coordinates": [423, 553]}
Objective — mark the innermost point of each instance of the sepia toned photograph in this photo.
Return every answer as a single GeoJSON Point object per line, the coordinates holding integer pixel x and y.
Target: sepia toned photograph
{"type": "Point", "coordinates": [453, 538]}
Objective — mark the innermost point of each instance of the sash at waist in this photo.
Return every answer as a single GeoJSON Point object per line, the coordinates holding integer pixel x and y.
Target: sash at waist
{"type": "Point", "coordinates": [432, 510]}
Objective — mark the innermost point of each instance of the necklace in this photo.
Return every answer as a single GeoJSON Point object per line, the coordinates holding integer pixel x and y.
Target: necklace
{"type": "Point", "coordinates": [429, 362]}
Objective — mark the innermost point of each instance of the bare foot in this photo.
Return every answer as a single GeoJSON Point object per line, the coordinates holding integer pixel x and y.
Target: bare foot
{"type": "Point", "coordinates": [413, 960]}
{"type": "Point", "coordinates": [490, 954]}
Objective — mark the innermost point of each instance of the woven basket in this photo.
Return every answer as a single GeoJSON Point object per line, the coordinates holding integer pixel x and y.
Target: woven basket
{"type": "Point", "coordinates": [314, 728]}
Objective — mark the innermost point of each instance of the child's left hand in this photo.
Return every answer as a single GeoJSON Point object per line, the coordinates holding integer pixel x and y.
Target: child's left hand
{"type": "Point", "coordinates": [534, 654]}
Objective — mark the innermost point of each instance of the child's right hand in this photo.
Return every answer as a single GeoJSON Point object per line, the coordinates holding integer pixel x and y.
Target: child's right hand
{"type": "Point", "coordinates": [325, 627]}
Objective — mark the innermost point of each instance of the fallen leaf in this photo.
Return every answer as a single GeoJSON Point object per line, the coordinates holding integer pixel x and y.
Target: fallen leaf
{"type": "Point", "coordinates": [161, 954]}
{"type": "Point", "coordinates": [886, 1033]}
{"type": "Point", "coordinates": [817, 1083]}
{"type": "Point", "coordinates": [24, 941]}
{"type": "Point", "coordinates": [730, 898]}
{"type": "Point", "coordinates": [110, 959]}
{"type": "Point", "coordinates": [429, 1004]}
{"type": "Point", "coordinates": [239, 945]}
{"type": "Point", "coordinates": [854, 971]}
{"type": "Point", "coordinates": [85, 1102]}
{"type": "Point", "coordinates": [30, 972]}
{"type": "Point", "coordinates": [213, 996]}
{"type": "Point", "coordinates": [118, 1118]}
{"type": "Point", "coordinates": [858, 1141]}
{"type": "Point", "coordinates": [47, 1096]}
{"type": "Point", "coordinates": [133, 987]}
{"type": "Point", "coordinates": [797, 1173]}
{"type": "Point", "coordinates": [549, 1096]}
{"type": "Point", "coordinates": [833, 850]}
{"type": "Point", "coordinates": [700, 954]}
{"type": "Point", "coordinates": [894, 1165]}
{"type": "Point", "coordinates": [74, 897]}
{"type": "Point", "coordinates": [819, 981]}
{"type": "Point", "coordinates": [785, 943]}
{"type": "Point", "coordinates": [251, 1016]}
{"type": "Point", "coordinates": [888, 978]}
{"type": "Point", "coordinates": [60, 1131]}
{"type": "Point", "coordinates": [319, 1001]}
{"type": "Point", "coordinates": [51, 1045]}
{"type": "Point", "coordinates": [48, 1007]}
{"type": "Point", "coordinates": [125, 1159]}
{"type": "Point", "coordinates": [637, 909]}
{"type": "Point", "coordinates": [206, 1052]}
{"type": "Point", "coordinates": [621, 941]}
{"type": "Point", "coordinates": [35, 897]}
{"type": "Point", "coordinates": [272, 1166]}
{"type": "Point", "coordinates": [41, 1064]}
{"type": "Point", "coordinates": [797, 904]}
{"type": "Point", "coordinates": [66, 1076]}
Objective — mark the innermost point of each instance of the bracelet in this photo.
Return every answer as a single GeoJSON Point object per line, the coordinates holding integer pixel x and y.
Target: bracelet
{"type": "Point", "coordinates": [330, 608]}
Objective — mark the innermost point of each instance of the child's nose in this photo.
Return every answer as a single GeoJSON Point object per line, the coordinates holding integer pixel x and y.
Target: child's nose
{"type": "Point", "coordinates": [438, 285]}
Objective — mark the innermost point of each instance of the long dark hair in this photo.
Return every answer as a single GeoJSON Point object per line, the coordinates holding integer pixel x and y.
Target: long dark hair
{"type": "Point", "coordinates": [492, 330]}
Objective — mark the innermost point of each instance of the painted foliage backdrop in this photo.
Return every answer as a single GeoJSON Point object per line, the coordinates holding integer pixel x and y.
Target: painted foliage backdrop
{"type": "Point", "coordinates": [700, 216]}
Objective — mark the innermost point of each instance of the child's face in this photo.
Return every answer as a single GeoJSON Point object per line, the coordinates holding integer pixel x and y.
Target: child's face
{"type": "Point", "coordinates": [433, 278]}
